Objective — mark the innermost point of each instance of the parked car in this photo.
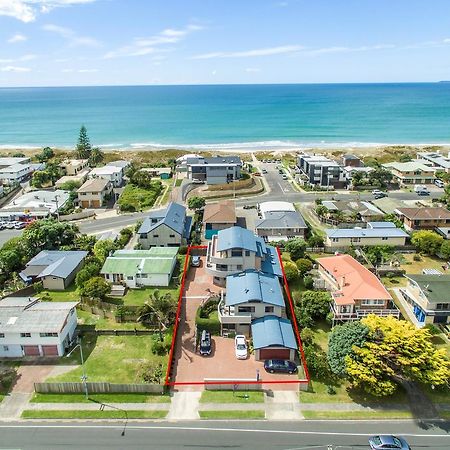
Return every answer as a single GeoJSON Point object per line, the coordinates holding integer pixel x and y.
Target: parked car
{"type": "Point", "coordinates": [197, 181]}
{"type": "Point", "coordinates": [10, 225]}
{"type": "Point", "coordinates": [439, 183]}
{"type": "Point", "coordinates": [377, 192]}
{"type": "Point", "coordinates": [196, 261]}
{"type": "Point", "coordinates": [205, 343]}
{"type": "Point", "coordinates": [257, 174]}
{"type": "Point", "coordinates": [249, 207]}
{"type": "Point", "coordinates": [385, 441]}
{"type": "Point", "coordinates": [284, 177]}
{"type": "Point", "coordinates": [264, 171]}
{"type": "Point", "coordinates": [19, 225]}
{"type": "Point", "coordinates": [380, 195]}
{"type": "Point", "coordinates": [279, 365]}
{"type": "Point", "coordinates": [240, 346]}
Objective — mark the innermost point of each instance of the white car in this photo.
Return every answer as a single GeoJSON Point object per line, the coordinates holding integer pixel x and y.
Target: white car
{"type": "Point", "coordinates": [240, 346]}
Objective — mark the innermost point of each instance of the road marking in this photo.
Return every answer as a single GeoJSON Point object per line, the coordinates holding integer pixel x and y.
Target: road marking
{"type": "Point", "coordinates": [233, 430]}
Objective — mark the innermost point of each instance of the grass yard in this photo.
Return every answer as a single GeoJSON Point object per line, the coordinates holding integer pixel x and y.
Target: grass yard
{"type": "Point", "coordinates": [437, 395]}
{"type": "Point", "coordinates": [85, 414]}
{"type": "Point", "coordinates": [69, 295]}
{"type": "Point", "coordinates": [138, 297]}
{"type": "Point", "coordinates": [228, 397]}
{"type": "Point", "coordinates": [426, 262]}
{"type": "Point", "coordinates": [395, 282]}
{"type": "Point", "coordinates": [226, 415]}
{"type": "Point", "coordinates": [101, 398]}
{"type": "Point", "coordinates": [113, 359]}
{"type": "Point", "coordinates": [135, 198]}
{"type": "Point", "coordinates": [357, 415]}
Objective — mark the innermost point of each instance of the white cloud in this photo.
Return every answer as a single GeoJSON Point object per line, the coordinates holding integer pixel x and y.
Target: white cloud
{"type": "Point", "coordinates": [27, 10]}
{"type": "Point", "coordinates": [148, 45]}
{"type": "Point", "coordinates": [18, 37]}
{"type": "Point", "coordinates": [14, 69]}
{"type": "Point", "coordinates": [87, 70]}
{"type": "Point", "coordinates": [28, 57]}
{"type": "Point", "coordinates": [268, 51]}
{"type": "Point", "coordinates": [335, 49]}
{"type": "Point", "coordinates": [71, 36]}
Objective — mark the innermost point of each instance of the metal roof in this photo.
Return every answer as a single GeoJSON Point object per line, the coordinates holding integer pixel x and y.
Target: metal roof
{"type": "Point", "coordinates": [366, 232]}
{"type": "Point", "coordinates": [174, 216]}
{"type": "Point", "coordinates": [271, 262]}
{"type": "Point", "coordinates": [273, 331]}
{"type": "Point", "coordinates": [434, 287]}
{"type": "Point", "coordinates": [214, 160]}
{"type": "Point", "coordinates": [56, 263]}
{"type": "Point", "coordinates": [253, 286]}
{"type": "Point", "coordinates": [237, 237]}
{"type": "Point", "coordinates": [288, 219]}
{"type": "Point", "coordinates": [381, 225]}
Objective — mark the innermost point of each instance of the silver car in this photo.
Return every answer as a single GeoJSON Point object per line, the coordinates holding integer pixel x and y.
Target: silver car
{"type": "Point", "coordinates": [388, 441]}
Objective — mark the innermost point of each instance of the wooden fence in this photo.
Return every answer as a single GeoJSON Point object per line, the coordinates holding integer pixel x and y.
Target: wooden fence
{"type": "Point", "coordinates": [98, 388]}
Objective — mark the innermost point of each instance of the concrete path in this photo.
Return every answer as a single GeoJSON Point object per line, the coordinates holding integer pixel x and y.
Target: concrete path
{"type": "Point", "coordinates": [94, 406]}
{"type": "Point", "coordinates": [184, 405]}
{"type": "Point", "coordinates": [282, 405]}
{"type": "Point", "coordinates": [13, 404]}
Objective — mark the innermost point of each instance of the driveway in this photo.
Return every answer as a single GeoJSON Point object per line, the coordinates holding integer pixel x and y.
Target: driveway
{"type": "Point", "coordinates": [190, 367]}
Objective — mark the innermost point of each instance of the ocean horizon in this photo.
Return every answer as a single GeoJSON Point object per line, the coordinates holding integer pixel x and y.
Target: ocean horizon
{"type": "Point", "coordinates": [234, 116]}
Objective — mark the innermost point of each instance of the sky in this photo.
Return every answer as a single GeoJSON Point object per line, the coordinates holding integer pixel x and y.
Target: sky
{"type": "Point", "coordinates": [130, 42]}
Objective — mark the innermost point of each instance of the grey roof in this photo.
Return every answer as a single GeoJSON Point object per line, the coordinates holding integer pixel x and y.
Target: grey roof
{"type": "Point", "coordinates": [251, 286]}
{"type": "Point", "coordinates": [9, 161]}
{"type": "Point", "coordinates": [214, 160]}
{"type": "Point", "coordinates": [120, 163]}
{"type": "Point", "coordinates": [273, 331]}
{"type": "Point", "coordinates": [174, 217]}
{"type": "Point", "coordinates": [54, 262]}
{"type": "Point", "coordinates": [288, 219]}
{"type": "Point", "coordinates": [381, 225]}
{"type": "Point", "coordinates": [237, 237]}
{"type": "Point", "coordinates": [94, 185]}
{"type": "Point", "coordinates": [444, 231]}
{"type": "Point", "coordinates": [33, 316]}
{"type": "Point", "coordinates": [434, 287]}
{"type": "Point", "coordinates": [366, 233]}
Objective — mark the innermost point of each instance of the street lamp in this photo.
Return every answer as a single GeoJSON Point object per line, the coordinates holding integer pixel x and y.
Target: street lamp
{"type": "Point", "coordinates": [84, 376]}
{"type": "Point", "coordinates": [102, 408]}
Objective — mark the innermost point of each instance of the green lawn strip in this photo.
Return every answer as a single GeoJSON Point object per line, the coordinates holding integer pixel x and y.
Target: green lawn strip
{"type": "Point", "coordinates": [178, 182]}
{"type": "Point", "coordinates": [137, 198]}
{"type": "Point", "coordinates": [101, 398]}
{"type": "Point", "coordinates": [357, 415]}
{"type": "Point", "coordinates": [103, 323]}
{"type": "Point", "coordinates": [113, 359]}
{"type": "Point", "coordinates": [437, 395]}
{"type": "Point", "coordinates": [70, 294]}
{"type": "Point", "coordinates": [138, 297]}
{"type": "Point", "coordinates": [228, 397]}
{"type": "Point", "coordinates": [85, 414]}
{"type": "Point", "coordinates": [252, 414]}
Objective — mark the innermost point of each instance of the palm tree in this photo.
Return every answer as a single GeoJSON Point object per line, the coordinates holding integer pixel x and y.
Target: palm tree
{"type": "Point", "coordinates": [96, 157]}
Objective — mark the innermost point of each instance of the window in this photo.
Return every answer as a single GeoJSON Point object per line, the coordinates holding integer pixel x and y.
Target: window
{"type": "Point", "coordinates": [335, 239]}
{"type": "Point", "coordinates": [355, 239]}
{"type": "Point", "coordinates": [48, 334]}
{"type": "Point", "coordinates": [239, 267]}
{"type": "Point", "coordinates": [25, 334]}
{"type": "Point", "coordinates": [143, 236]}
{"type": "Point", "coordinates": [156, 235]}
{"type": "Point", "coordinates": [384, 238]}
{"type": "Point", "coordinates": [247, 252]}
{"type": "Point", "coordinates": [144, 275]}
{"type": "Point", "coordinates": [5, 348]}
{"type": "Point", "coordinates": [129, 278]}
{"type": "Point", "coordinates": [439, 306]}
{"type": "Point", "coordinates": [269, 309]}
{"type": "Point", "coordinates": [246, 309]}
{"type": "Point", "coordinates": [236, 252]}
{"type": "Point", "coordinates": [171, 235]}
{"type": "Point", "coordinates": [2, 335]}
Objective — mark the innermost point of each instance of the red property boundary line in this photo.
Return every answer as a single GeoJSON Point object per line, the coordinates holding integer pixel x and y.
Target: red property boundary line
{"type": "Point", "coordinates": [177, 322]}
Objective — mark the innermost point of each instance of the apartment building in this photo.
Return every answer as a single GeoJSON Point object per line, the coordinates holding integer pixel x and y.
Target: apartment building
{"type": "Point", "coordinates": [321, 171]}
{"type": "Point", "coordinates": [214, 170]}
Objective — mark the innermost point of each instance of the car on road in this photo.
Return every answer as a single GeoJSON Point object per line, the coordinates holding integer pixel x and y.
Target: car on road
{"type": "Point", "coordinates": [249, 207]}
{"type": "Point", "coordinates": [388, 441]}
{"type": "Point", "coordinates": [257, 174]}
{"type": "Point", "coordinates": [195, 261]}
{"type": "Point", "coordinates": [377, 192]}
{"type": "Point", "coordinates": [439, 183]}
{"type": "Point", "coordinates": [205, 343]}
{"type": "Point", "coordinates": [280, 366]}
{"type": "Point", "coordinates": [381, 195]}
{"type": "Point", "coordinates": [284, 177]}
{"type": "Point", "coordinates": [264, 171]}
{"type": "Point", "coordinates": [240, 346]}
{"type": "Point", "coordinates": [197, 181]}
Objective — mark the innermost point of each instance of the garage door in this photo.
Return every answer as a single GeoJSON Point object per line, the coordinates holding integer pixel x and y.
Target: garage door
{"type": "Point", "coordinates": [31, 350]}
{"type": "Point", "coordinates": [274, 353]}
{"type": "Point", "coordinates": [50, 350]}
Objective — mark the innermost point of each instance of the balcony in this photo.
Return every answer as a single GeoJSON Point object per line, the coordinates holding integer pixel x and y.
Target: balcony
{"type": "Point", "coordinates": [359, 313]}
{"type": "Point", "coordinates": [227, 314]}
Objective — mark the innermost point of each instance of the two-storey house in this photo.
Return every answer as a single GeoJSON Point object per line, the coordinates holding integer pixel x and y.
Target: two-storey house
{"type": "Point", "coordinates": [412, 172]}
{"type": "Point", "coordinates": [355, 290]}
{"type": "Point", "coordinates": [423, 218]}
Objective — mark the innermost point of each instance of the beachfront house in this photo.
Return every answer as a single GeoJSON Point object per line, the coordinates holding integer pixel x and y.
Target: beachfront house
{"type": "Point", "coordinates": [355, 290]}
{"type": "Point", "coordinates": [237, 249]}
{"type": "Point", "coordinates": [218, 216]}
{"type": "Point", "coordinates": [423, 218]}
{"type": "Point", "coordinates": [169, 227]}
{"type": "Point", "coordinates": [164, 173]}
{"type": "Point", "coordinates": [55, 268]}
{"type": "Point", "coordinates": [73, 167]}
{"type": "Point", "coordinates": [15, 173]}
{"type": "Point", "coordinates": [113, 174]}
{"type": "Point", "coordinates": [440, 162]}
{"type": "Point", "coordinates": [213, 170]}
{"type": "Point", "coordinates": [426, 298]}
{"type": "Point", "coordinates": [139, 268]}
{"type": "Point", "coordinates": [376, 233]}
{"type": "Point", "coordinates": [412, 172]}
{"type": "Point", "coordinates": [29, 327]}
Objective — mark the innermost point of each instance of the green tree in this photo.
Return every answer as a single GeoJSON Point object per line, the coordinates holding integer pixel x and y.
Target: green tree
{"type": "Point", "coordinates": [321, 210]}
{"type": "Point", "coordinates": [315, 241]}
{"type": "Point", "coordinates": [316, 304]}
{"type": "Point", "coordinates": [427, 241]}
{"type": "Point", "coordinates": [46, 154]}
{"type": "Point", "coordinates": [296, 247]}
{"type": "Point", "coordinates": [10, 260]}
{"type": "Point", "coordinates": [160, 308]}
{"type": "Point", "coordinates": [291, 271]}
{"type": "Point", "coordinates": [39, 178]}
{"type": "Point", "coordinates": [341, 342]}
{"type": "Point", "coordinates": [85, 242]}
{"type": "Point", "coordinates": [378, 254]}
{"type": "Point", "coordinates": [102, 249]}
{"type": "Point", "coordinates": [395, 352]}
{"type": "Point", "coordinates": [357, 179]}
{"type": "Point", "coordinates": [304, 265]}
{"type": "Point", "coordinates": [394, 219]}
{"type": "Point", "coordinates": [70, 185]}
{"type": "Point", "coordinates": [96, 157]}
{"type": "Point", "coordinates": [83, 148]}
{"type": "Point", "coordinates": [316, 360]}
{"type": "Point", "coordinates": [380, 177]}
{"type": "Point", "coordinates": [445, 249]}
{"type": "Point", "coordinates": [96, 287]}
{"type": "Point", "coordinates": [142, 178]}
{"type": "Point", "coordinates": [196, 203]}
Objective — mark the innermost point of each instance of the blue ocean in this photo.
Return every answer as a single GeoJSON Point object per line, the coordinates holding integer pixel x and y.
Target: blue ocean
{"type": "Point", "coordinates": [241, 116]}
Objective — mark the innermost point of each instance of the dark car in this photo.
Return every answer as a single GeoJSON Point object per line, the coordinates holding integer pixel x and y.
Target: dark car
{"type": "Point", "coordinates": [279, 365]}
{"type": "Point", "coordinates": [195, 261]}
{"type": "Point", "coordinates": [385, 441]}
{"type": "Point", "coordinates": [205, 343]}
{"type": "Point", "coordinates": [381, 195]}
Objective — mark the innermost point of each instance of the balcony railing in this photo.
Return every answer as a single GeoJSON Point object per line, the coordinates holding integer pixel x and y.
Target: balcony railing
{"type": "Point", "coordinates": [360, 313]}
{"type": "Point", "coordinates": [229, 314]}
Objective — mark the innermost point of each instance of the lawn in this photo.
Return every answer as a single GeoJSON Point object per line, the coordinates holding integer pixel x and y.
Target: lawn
{"type": "Point", "coordinates": [134, 198]}
{"type": "Point", "coordinates": [86, 414]}
{"type": "Point", "coordinates": [178, 182]}
{"type": "Point", "coordinates": [395, 282]}
{"type": "Point", "coordinates": [357, 415]}
{"type": "Point", "coordinates": [138, 297]}
{"type": "Point", "coordinates": [69, 295]}
{"type": "Point", "coordinates": [426, 262]}
{"type": "Point", "coordinates": [113, 359]}
{"type": "Point", "coordinates": [229, 397]}
{"type": "Point", "coordinates": [100, 398]}
{"type": "Point", "coordinates": [226, 415]}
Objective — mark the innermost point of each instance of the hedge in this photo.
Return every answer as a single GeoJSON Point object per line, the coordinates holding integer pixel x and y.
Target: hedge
{"type": "Point", "coordinates": [211, 323]}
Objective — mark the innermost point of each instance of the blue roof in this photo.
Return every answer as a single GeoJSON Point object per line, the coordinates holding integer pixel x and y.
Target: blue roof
{"type": "Point", "coordinates": [381, 225]}
{"type": "Point", "coordinates": [271, 263]}
{"type": "Point", "coordinates": [174, 217]}
{"type": "Point", "coordinates": [253, 286]}
{"type": "Point", "coordinates": [366, 233]}
{"type": "Point", "coordinates": [273, 331]}
{"type": "Point", "coordinates": [237, 237]}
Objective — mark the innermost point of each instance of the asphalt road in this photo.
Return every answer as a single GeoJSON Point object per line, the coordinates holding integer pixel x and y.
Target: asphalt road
{"type": "Point", "coordinates": [218, 435]}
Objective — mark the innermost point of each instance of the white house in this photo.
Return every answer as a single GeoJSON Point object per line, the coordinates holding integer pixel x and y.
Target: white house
{"type": "Point", "coordinates": [15, 173]}
{"type": "Point", "coordinates": [114, 174]}
{"type": "Point", "coordinates": [29, 327]}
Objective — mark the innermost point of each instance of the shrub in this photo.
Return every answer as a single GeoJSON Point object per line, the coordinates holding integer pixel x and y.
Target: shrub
{"type": "Point", "coordinates": [304, 265]}
{"type": "Point", "coordinates": [308, 282]}
{"type": "Point", "coordinates": [291, 271]}
{"type": "Point", "coordinates": [296, 247]}
{"type": "Point", "coordinates": [151, 372]}
{"type": "Point", "coordinates": [207, 318]}
{"type": "Point", "coordinates": [182, 250]}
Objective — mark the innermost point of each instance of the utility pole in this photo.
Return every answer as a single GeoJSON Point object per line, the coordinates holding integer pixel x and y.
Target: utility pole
{"type": "Point", "coordinates": [84, 376]}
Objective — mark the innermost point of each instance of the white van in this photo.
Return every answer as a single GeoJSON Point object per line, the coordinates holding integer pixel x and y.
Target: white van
{"type": "Point", "coordinates": [439, 183]}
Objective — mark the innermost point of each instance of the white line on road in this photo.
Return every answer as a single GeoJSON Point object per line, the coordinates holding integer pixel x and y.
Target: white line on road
{"type": "Point", "coordinates": [232, 430]}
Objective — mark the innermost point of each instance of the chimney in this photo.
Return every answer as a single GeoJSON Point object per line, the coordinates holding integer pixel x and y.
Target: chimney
{"type": "Point", "coordinates": [342, 282]}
